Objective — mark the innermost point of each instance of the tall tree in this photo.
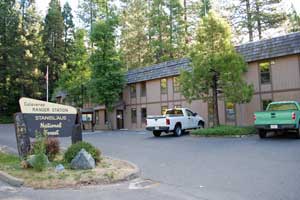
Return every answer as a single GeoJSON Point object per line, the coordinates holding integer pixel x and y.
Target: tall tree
{"type": "Point", "coordinates": [107, 79]}
{"type": "Point", "coordinates": [89, 11]}
{"type": "Point", "coordinates": [68, 28]}
{"type": "Point", "coordinates": [9, 55]}
{"type": "Point", "coordinates": [76, 75]}
{"type": "Point", "coordinates": [268, 15]}
{"type": "Point", "coordinates": [294, 20]}
{"type": "Point", "coordinates": [134, 42]}
{"type": "Point", "coordinates": [216, 67]}
{"type": "Point", "coordinates": [250, 15]}
{"type": "Point", "coordinates": [53, 40]}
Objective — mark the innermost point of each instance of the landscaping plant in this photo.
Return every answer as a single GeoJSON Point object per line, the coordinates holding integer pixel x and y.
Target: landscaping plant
{"type": "Point", "coordinates": [224, 130]}
{"type": "Point", "coordinates": [75, 148]}
{"type": "Point", "coordinates": [52, 147]}
{"type": "Point", "coordinates": [39, 149]}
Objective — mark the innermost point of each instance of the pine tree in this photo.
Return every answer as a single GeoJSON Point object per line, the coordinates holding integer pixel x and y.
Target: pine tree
{"type": "Point", "coordinates": [68, 28]}
{"type": "Point", "coordinates": [53, 40]}
{"type": "Point", "coordinates": [294, 20]}
{"type": "Point", "coordinates": [10, 52]}
{"type": "Point", "coordinates": [134, 35]}
{"type": "Point", "coordinates": [76, 75]}
{"type": "Point", "coordinates": [216, 67]}
{"type": "Point", "coordinates": [89, 11]}
{"type": "Point", "coordinates": [107, 79]}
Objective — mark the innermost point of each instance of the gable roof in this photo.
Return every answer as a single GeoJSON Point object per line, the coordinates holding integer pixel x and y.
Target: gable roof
{"type": "Point", "coordinates": [270, 48]}
{"type": "Point", "coordinates": [253, 51]}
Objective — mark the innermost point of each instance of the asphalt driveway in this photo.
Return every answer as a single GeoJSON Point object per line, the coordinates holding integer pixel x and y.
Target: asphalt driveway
{"type": "Point", "coordinates": [187, 168]}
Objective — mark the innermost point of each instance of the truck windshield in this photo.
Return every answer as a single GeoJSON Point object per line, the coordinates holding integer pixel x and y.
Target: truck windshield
{"type": "Point", "coordinates": [174, 112]}
{"type": "Point", "coordinates": [282, 106]}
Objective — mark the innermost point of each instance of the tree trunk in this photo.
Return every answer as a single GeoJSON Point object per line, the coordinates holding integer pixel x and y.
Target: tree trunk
{"type": "Point", "coordinates": [185, 21]}
{"type": "Point", "coordinates": [216, 121]}
{"type": "Point", "coordinates": [249, 20]}
{"type": "Point", "coordinates": [257, 14]}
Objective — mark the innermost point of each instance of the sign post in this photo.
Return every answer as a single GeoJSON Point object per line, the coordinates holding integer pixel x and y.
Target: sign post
{"type": "Point", "coordinates": [44, 117]}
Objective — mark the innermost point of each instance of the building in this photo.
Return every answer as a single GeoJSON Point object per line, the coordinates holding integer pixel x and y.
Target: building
{"type": "Point", "coordinates": [273, 69]}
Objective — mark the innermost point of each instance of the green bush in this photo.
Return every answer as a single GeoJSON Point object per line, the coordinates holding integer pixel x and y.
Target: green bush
{"type": "Point", "coordinates": [39, 149]}
{"type": "Point", "coordinates": [224, 130]}
{"type": "Point", "coordinates": [75, 148]}
{"type": "Point", "coordinates": [4, 119]}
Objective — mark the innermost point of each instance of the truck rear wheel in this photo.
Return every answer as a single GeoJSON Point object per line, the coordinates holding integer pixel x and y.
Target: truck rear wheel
{"type": "Point", "coordinates": [262, 134]}
{"type": "Point", "coordinates": [156, 133]}
{"type": "Point", "coordinates": [177, 130]}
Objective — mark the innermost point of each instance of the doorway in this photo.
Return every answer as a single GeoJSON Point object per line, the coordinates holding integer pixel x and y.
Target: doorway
{"type": "Point", "coordinates": [120, 119]}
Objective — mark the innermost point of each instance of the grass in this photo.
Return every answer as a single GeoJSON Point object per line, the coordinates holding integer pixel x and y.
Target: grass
{"type": "Point", "coordinates": [225, 130]}
{"type": "Point", "coordinates": [6, 119]}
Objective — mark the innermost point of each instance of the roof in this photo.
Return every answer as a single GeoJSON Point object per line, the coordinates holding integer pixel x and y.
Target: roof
{"type": "Point", "coordinates": [270, 48]}
{"type": "Point", "coordinates": [165, 69]}
{"type": "Point", "coordinates": [253, 51]}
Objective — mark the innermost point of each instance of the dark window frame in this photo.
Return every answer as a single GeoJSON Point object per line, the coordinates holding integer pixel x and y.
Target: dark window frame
{"type": "Point", "coordinates": [133, 119]}
{"type": "Point", "coordinates": [143, 115]}
{"type": "Point", "coordinates": [265, 103]}
{"type": "Point", "coordinates": [132, 91]}
{"type": "Point", "coordinates": [163, 90]}
{"type": "Point", "coordinates": [143, 89]}
{"type": "Point", "coordinates": [176, 85]}
{"type": "Point", "coordinates": [265, 74]}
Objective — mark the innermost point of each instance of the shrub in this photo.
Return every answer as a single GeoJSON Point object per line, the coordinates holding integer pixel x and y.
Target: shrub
{"type": "Point", "coordinates": [39, 149]}
{"type": "Point", "coordinates": [224, 130]}
{"type": "Point", "coordinates": [52, 147]}
{"type": "Point", "coordinates": [75, 148]}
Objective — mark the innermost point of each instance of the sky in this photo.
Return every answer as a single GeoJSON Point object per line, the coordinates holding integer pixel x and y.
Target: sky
{"type": "Point", "coordinates": [42, 5]}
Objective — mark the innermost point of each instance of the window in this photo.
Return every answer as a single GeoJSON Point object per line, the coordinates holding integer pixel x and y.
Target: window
{"type": "Point", "coordinates": [174, 113]}
{"type": "Point", "coordinates": [97, 116]}
{"type": "Point", "coordinates": [143, 89]}
{"type": "Point", "coordinates": [164, 109]}
{"type": "Point", "coordinates": [144, 114]}
{"type": "Point", "coordinates": [265, 103]}
{"type": "Point", "coordinates": [163, 86]}
{"type": "Point", "coordinates": [282, 106]}
{"type": "Point", "coordinates": [189, 113]}
{"type": "Point", "coordinates": [230, 112]}
{"type": "Point", "coordinates": [105, 117]}
{"type": "Point", "coordinates": [132, 91]}
{"type": "Point", "coordinates": [86, 117]}
{"type": "Point", "coordinates": [265, 72]}
{"type": "Point", "coordinates": [133, 115]}
{"type": "Point", "coordinates": [176, 84]}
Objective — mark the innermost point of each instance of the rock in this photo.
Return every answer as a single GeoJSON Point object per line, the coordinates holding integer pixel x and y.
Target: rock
{"type": "Point", "coordinates": [31, 160]}
{"type": "Point", "coordinates": [83, 160]}
{"type": "Point", "coordinates": [59, 168]}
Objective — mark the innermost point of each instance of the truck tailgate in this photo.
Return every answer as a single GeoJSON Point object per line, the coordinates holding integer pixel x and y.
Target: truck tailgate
{"type": "Point", "coordinates": [274, 117]}
{"type": "Point", "coordinates": [156, 121]}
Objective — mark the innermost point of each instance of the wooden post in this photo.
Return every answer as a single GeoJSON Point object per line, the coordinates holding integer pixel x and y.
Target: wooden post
{"type": "Point", "coordinates": [22, 137]}
{"type": "Point", "coordinates": [77, 131]}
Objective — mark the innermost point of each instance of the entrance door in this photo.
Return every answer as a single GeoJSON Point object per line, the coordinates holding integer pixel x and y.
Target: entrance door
{"type": "Point", "coordinates": [120, 120]}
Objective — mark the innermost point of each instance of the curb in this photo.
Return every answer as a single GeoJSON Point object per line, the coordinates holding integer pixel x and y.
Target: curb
{"type": "Point", "coordinates": [223, 136]}
{"type": "Point", "coordinates": [133, 175]}
{"type": "Point", "coordinates": [13, 181]}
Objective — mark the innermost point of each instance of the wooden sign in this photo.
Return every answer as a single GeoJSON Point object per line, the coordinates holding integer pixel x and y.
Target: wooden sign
{"type": "Point", "coordinates": [50, 118]}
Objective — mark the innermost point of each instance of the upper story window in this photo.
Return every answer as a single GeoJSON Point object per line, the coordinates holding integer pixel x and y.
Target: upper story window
{"type": "Point", "coordinates": [265, 76]}
{"type": "Point", "coordinates": [143, 89]}
{"type": "Point", "coordinates": [133, 91]}
{"type": "Point", "coordinates": [163, 86]}
{"type": "Point", "coordinates": [176, 84]}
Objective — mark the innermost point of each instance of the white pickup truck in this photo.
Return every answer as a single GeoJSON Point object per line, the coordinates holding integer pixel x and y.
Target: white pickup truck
{"type": "Point", "coordinates": [175, 120]}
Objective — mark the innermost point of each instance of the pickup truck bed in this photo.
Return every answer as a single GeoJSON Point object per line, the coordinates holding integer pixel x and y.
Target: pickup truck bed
{"type": "Point", "coordinates": [279, 116]}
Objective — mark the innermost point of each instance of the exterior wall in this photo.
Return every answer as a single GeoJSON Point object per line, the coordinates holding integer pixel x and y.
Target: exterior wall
{"type": "Point", "coordinates": [284, 85]}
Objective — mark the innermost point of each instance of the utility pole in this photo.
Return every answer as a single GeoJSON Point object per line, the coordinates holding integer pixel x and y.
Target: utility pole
{"type": "Point", "coordinates": [47, 84]}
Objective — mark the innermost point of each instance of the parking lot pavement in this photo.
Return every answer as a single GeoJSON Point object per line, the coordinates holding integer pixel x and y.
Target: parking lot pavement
{"type": "Point", "coordinates": [193, 168]}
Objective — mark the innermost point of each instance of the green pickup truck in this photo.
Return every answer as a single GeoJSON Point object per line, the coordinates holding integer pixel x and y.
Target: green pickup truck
{"type": "Point", "coordinates": [279, 116]}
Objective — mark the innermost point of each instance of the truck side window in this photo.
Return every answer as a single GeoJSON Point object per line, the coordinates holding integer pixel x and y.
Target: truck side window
{"type": "Point", "coordinates": [265, 103]}
{"type": "Point", "coordinates": [189, 113]}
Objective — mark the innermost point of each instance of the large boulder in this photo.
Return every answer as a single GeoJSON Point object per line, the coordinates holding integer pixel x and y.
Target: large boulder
{"type": "Point", "coordinates": [83, 160]}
